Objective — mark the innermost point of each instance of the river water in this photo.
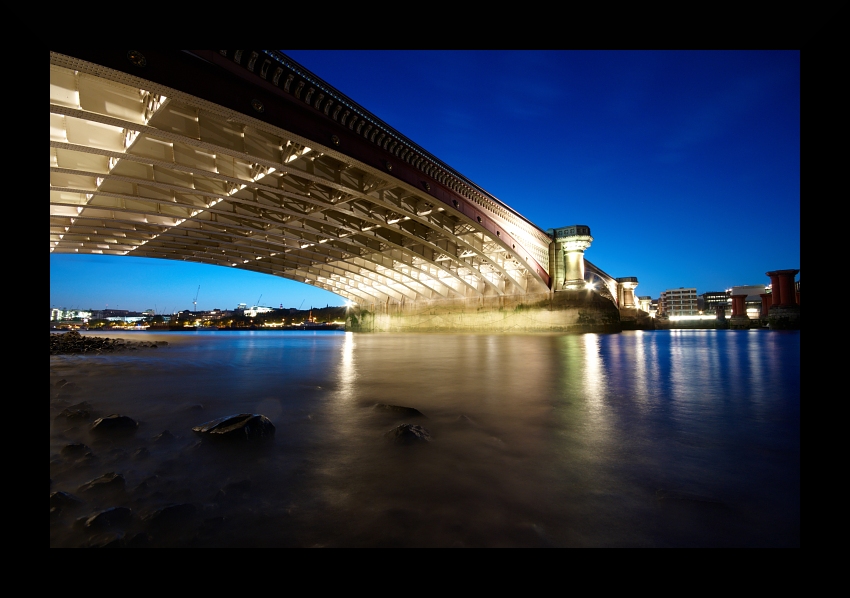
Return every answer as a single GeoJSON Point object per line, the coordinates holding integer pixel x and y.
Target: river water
{"type": "Point", "coordinates": [677, 438]}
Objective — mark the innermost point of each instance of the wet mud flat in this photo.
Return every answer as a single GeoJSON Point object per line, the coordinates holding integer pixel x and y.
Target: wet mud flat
{"type": "Point", "coordinates": [364, 454]}
{"type": "Point", "coordinates": [120, 480]}
{"type": "Point", "coordinates": [149, 480]}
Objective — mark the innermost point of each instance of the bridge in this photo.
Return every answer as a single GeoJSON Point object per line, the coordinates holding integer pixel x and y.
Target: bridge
{"type": "Point", "coordinates": [245, 159]}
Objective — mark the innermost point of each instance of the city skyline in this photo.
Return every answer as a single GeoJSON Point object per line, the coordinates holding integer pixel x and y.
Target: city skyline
{"type": "Point", "coordinates": [685, 165]}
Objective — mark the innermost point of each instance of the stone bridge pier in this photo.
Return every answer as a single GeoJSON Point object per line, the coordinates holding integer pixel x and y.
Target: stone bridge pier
{"type": "Point", "coordinates": [739, 320]}
{"type": "Point", "coordinates": [784, 311]}
{"type": "Point", "coordinates": [566, 257]}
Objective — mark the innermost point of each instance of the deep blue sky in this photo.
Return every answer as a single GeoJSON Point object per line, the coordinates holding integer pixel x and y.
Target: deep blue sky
{"type": "Point", "coordinates": [685, 165]}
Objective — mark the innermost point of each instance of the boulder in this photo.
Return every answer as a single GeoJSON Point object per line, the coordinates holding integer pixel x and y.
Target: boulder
{"type": "Point", "coordinates": [243, 426]}
{"type": "Point", "coordinates": [62, 500]}
{"type": "Point", "coordinates": [108, 482]}
{"type": "Point", "coordinates": [112, 517]}
{"type": "Point", "coordinates": [80, 411]}
{"type": "Point", "coordinates": [408, 434]}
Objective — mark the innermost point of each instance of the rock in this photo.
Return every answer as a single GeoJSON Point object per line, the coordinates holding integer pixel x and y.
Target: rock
{"type": "Point", "coordinates": [398, 410]}
{"type": "Point", "coordinates": [80, 411]}
{"type": "Point", "coordinates": [244, 426]}
{"type": "Point", "coordinates": [112, 517]}
{"type": "Point", "coordinates": [408, 434]}
{"type": "Point", "coordinates": [108, 482]}
{"type": "Point", "coordinates": [63, 500]}
{"type": "Point", "coordinates": [74, 342]}
{"type": "Point", "coordinates": [115, 424]}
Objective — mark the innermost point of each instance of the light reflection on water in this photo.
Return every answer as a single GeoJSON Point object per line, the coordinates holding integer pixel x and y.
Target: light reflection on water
{"type": "Point", "coordinates": [665, 438]}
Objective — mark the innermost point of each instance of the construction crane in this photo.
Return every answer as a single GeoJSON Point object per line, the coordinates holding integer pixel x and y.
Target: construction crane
{"type": "Point", "coordinates": [258, 300]}
{"type": "Point", "coordinates": [195, 300]}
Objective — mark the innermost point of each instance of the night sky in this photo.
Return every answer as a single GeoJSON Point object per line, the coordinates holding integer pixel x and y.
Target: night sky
{"type": "Point", "coordinates": [684, 164]}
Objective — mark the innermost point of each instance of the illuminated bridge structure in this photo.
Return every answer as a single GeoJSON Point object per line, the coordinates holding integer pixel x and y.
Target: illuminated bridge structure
{"type": "Point", "coordinates": [244, 159]}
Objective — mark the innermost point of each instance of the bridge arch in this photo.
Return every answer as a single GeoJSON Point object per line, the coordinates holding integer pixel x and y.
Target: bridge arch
{"type": "Point", "coordinates": [162, 159]}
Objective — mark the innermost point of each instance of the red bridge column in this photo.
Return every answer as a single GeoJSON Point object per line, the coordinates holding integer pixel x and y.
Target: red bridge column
{"type": "Point", "coordinates": [774, 286]}
{"type": "Point", "coordinates": [766, 302]}
{"type": "Point", "coordinates": [788, 294]}
{"type": "Point", "coordinates": [738, 308]}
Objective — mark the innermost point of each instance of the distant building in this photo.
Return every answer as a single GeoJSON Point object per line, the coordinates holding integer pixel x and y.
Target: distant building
{"type": "Point", "coordinates": [58, 315]}
{"type": "Point", "coordinates": [255, 310]}
{"type": "Point", "coordinates": [714, 299]}
{"type": "Point", "coordinates": [106, 314]}
{"type": "Point", "coordinates": [678, 302]}
{"type": "Point", "coordinates": [127, 319]}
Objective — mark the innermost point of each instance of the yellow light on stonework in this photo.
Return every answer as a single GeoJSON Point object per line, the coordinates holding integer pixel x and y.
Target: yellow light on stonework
{"type": "Point", "coordinates": [589, 286]}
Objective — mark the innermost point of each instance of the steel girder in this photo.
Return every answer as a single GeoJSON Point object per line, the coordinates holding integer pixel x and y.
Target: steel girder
{"type": "Point", "coordinates": [138, 168]}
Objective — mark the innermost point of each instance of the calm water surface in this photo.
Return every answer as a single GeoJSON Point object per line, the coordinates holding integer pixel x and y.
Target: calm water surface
{"type": "Point", "coordinates": [663, 438]}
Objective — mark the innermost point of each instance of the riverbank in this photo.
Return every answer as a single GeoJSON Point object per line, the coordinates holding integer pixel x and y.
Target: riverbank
{"type": "Point", "coordinates": [71, 342]}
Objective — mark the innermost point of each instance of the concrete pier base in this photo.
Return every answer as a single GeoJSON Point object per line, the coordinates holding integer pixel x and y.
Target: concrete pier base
{"type": "Point", "coordinates": [742, 323]}
{"type": "Point", "coordinates": [784, 317]}
{"type": "Point", "coordinates": [561, 311]}
{"type": "Point", "coordinates": [636, 319]}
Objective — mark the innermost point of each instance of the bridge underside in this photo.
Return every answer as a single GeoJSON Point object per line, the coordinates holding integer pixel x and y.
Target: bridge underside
{"type": "Point", "coordinates": [142, 169]}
